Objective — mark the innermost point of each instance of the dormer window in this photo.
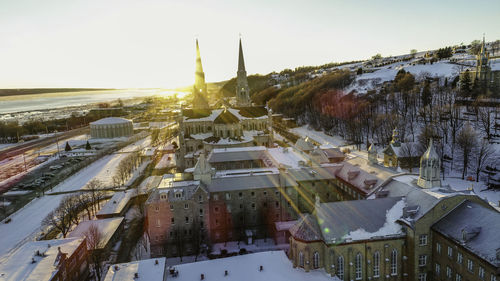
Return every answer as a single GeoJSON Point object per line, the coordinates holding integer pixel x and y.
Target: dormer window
{"type": "Point", "coordinates": [163, 196]}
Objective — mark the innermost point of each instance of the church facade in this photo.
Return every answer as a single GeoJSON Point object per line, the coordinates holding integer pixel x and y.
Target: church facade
{"type": "Point", "coordinates": [203, 128]}
{"type": "Point", "coordinates": [483, 76]}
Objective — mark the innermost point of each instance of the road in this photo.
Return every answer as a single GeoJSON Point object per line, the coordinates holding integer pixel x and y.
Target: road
{"type": "Point", "coordinates": [26, 223]}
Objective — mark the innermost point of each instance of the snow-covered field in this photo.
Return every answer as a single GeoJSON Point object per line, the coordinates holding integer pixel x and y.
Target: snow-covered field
{"type": "Point", "coordinates": [25, 223]}
{"type": "Point", "coordinates": [318, 136]}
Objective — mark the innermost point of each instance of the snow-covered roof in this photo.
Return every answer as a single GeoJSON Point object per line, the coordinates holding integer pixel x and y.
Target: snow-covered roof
{"type": "Point", "coordinates": [284, 225]}
{"type": "Point", "coordinates": [287, 156]}
{"type": "Point", "coordinates": [248, 181]}
{"type": "Point", "coordinates": [117, 203]}
{"type": "Point", "coordinates": [166, 161]}
{"type": "Point", "coordinates": [151, 270]}
{"type": "Point", "coordinates": [19, 265]}
{"type": "Point", "coordinates": [237, 154]}
{"type": "Point", "coordinates": [360, 219]}
{"type": "Point", "coordinates": [480, 224]}
{"type": "Point", "coordinates": [107, 228]}
{"type": "Point", "coordinates": [276, 267]}
{"type": "Point", "coordinates": [111, 120]}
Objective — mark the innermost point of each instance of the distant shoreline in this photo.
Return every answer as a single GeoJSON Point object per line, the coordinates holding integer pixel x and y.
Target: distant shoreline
{"type": "Point", "coordinates": [36, 91]}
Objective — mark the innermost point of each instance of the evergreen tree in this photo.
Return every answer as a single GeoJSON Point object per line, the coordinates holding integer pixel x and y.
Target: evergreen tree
{"type": "Point", "coordinates": [68, 147]}
{"type": "Point", "coordinates": [87, 146]}
{"type": "Point", "coordinates": [426, 94]}
{"type": "Point", "coordinates": [465, 84]}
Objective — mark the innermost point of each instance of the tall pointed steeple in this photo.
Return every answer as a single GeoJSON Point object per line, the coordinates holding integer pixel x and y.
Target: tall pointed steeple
{"type": "Point", "coordinates": [242, 89]}
{"type": "Point", "coordinates": [200, 98]}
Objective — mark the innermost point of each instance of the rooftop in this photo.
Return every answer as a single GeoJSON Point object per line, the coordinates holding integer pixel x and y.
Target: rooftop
{"type": "Point", "coordinates": [276, 267]}
{"type": "Point", "coordinates": [480, 226]}
{"type": "Point", "coordinates": [111, 120]}
{"type": "Point", "coordinates": [151, 270]}
{"type": "Point", "coordinates": [107, 228]}
{"type": "Point", "coordinates": [19, 265]}
{"type": "Point", "coordinates": [117, 203]}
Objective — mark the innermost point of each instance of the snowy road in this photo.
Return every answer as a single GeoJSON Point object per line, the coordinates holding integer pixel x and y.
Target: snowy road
{"type": "Point", "coordinates": [25, 223]}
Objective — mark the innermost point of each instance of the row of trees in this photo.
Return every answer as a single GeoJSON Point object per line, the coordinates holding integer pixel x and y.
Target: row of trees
{"type": "Point", "coordinates": [126, 167]}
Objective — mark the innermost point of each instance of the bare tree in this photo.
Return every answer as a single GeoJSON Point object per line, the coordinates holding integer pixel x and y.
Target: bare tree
{"type": "Point", "coordinates": [85, 202]}
{"type": "Point", "coordinates": [484, 154]}
{"type": "Point", "coordinates": [69, 205]}
{"type": "Point", "coordinates": [94, 236]}
{"type": "Point", "coordinates": [179, 241]}
{"type": "Point", "coordinates": [58, 220]}
{"type": "Point", "coordinates": [96, 194]}
{"type": "Point", "coordinates": [485, 121]}
{"type": "Point", "coordinates": [466, 141]}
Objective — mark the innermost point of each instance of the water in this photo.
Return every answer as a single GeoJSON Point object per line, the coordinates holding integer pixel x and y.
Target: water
{"type": "Point", "coordinates": [20, 103]}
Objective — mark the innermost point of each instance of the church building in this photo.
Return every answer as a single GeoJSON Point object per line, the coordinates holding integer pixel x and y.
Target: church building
{"type": "Point", "coordinates": [203, 128]}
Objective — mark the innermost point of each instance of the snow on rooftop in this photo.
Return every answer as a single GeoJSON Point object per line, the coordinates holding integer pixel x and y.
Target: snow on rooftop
{"type": "Point", "coordinates": [150, 270]}
{"type": "Point", "coordinates": [276, 267]}
{"type": "Point", "coordinates": [117, 203]}
{"type": "Point", "coordinates": [19, 265]}
{"type": "Point", "coordinates": [390, 226]}
{"type": "Point", "coordinates": [166, 161]}
{"type": "Point", "coordinates": [111, 120]}
{"type": "Point", "coordinates": [107, 228]}
{"type": "Point", "coordinates": [287, 156]}
{"type": "Point", "coordinates": [319, 136]}
{"type": "Point", "coordinates": [238, 149]}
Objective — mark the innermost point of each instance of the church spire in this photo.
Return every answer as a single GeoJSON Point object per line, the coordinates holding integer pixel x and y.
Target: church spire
{"type": "Point", "coordinates": [200, 87]}
{"type": "Point", "coordinates": [242, 89]}
{"type": "Point", "coordinates": [241, 61]}
{"type": "Point", "coordinates": [430, 167]}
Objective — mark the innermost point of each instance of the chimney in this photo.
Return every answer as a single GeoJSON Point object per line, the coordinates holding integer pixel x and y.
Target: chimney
{"type": "Point", "coordinates": [202, 277]}
{"type": "Point", "coordinates": [261, 268]}
{"type": "Point", "coordinates": [156, 262]}
{"type": "Point", "coordinates": [225, 273]}
{"type": "Point", "coordinates": [136, 275]}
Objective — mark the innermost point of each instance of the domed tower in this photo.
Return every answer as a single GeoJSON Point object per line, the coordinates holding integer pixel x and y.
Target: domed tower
{"type": "Point", "coordinates": [242, 89]}
{"type": "Point", "coordinates": [372, 155]}
{"type": "Point", "coordinates": [430, 166]}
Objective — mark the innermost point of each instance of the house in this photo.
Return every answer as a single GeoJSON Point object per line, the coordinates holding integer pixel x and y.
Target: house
{"type": "Point", "coordinates": [398, 154]}
{"type": "Point", "coordinates": [48, 260]}
{"type": "Point", "coordinates": [109, 232]}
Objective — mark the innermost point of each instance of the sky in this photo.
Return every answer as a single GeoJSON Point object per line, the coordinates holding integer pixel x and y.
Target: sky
{"type": "Point", "coordinates": [151, 43]}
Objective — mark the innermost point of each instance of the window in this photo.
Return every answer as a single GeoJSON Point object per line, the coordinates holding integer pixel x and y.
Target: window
{"type": "Point", "coordinates": [422, 276]}
{"type": "Point", "coordinates": [359, 267]}
{"type": "Point", "coordinates": [277, 193]}
{"type": "Point", "coordinates": [186, 206]}
{"type": "Point", "coordinates": [157, 208]}
{"type": "Point", "coordinates": [253, 194]}
{"type": "Point", "coordinates": [158, 224]}
{"type": "Point", "coordinates": [450, 252]}
{"type": "Point", "coordinates": [394, 262]}
{"type": "Point", "coordinates": [163, 196]}
{"type": "Point", "coordinates": [376, 264]}
{"type": "Point", "coordinates": [265, 193]}
{"type": "Point", "coordinates": [216, 222]}
{"type": "Point", "coordinates": [460, 258]}
{"type": "Point", "coordinates": [216, 196]}
{"type": "Point", "coordinates": [172, 220]}
{"type": "Point", "coordinates": [201, 212]}
{"type": "Point", "coordinates": [171, 207]}
{"type": "Point", "coordinates": [423, 240]}
{"type": "Point", "coordinates": [301, 259]}
{"type": "Point", "coordinates": [316, 260]}
{"type": "Point", "coordinates": [240, 195]}
{"type": "Point", "coordinates": [438, 269]}
{"type": "Point", "coordinates": [200, 198]}
{"type": "Point", "coordinates": [228, 196]}
{"type": "Point", "coordinates": [481, 273]}
{"type": "Point", "coordinates": [253, 206]}
{"type": "Point", "coordinates": [216, 209]}
{"type": "Point", "coordinates": [422, 260]}
{"type": "Point", "coordinates": [438, 248]}
{"type": "Point", "coordinates": [493, 277]}
{"type": "Point", "coordinates": [470, 265]}
{"type": "Point", "coordinates": [277, 204]}
{"type": "Point", "coordinates": [186, 219]}
{"type": "Point", "coordinates": [458, 277]}
{"type": "Point", "coordinates": [241, 206]}
{"type": "Point", "coordinates": [340, 267]}
{"type": "Point", "coordinates": [448, 272]}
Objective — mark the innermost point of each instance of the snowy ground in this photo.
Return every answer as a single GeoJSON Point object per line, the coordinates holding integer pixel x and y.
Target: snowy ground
{"type": "Point", "coordinates": [25, 224]}
{"type": "Point", "coordinates": [318, 136]}
{"type": "Point", "coordinates": [493, 196]}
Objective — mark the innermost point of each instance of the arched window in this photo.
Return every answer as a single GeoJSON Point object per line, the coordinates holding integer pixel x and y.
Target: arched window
{"type": "Point", "coordinates": [394, 262]}
{"type": "Point", "coordinates": [376, 264]}
{"type": "Point", "coordinates": [340, 267]}
{"type": "Point", "coordinates": [359, 266]}
{"type": "Point", "coordinates": [301, 259]}
{"type": "Point", "coordinates": [316, 260]}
